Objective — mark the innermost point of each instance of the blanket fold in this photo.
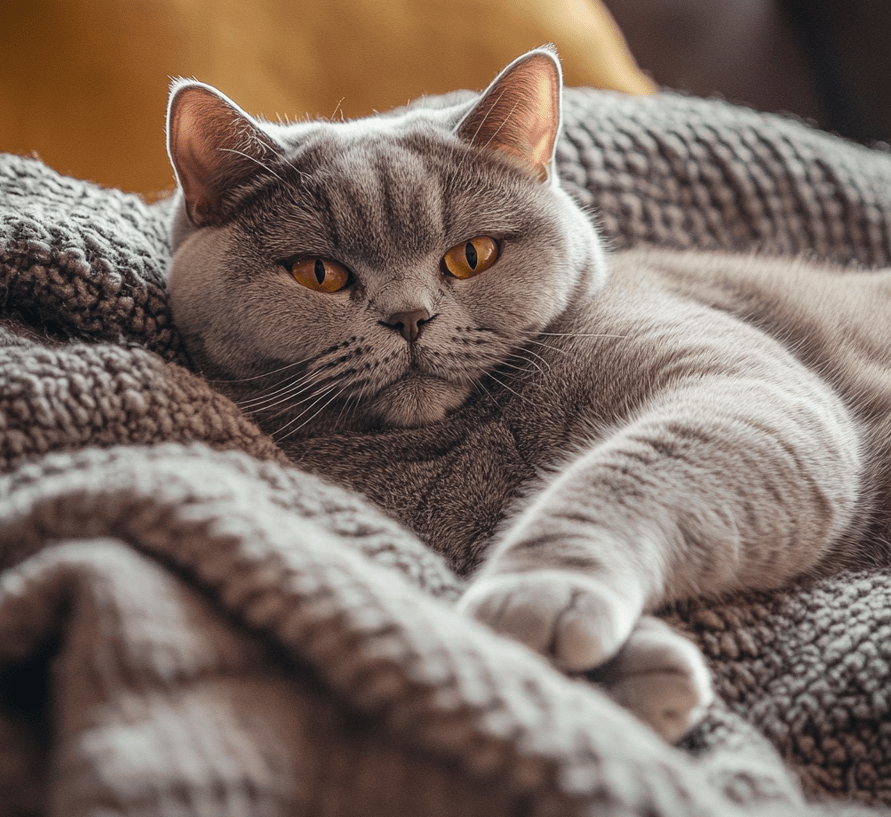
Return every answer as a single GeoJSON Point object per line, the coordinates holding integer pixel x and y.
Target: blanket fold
{"type": "Point", "coordinates": [315, 603]}
{"type": "Point", "coordinates": [191, 625]}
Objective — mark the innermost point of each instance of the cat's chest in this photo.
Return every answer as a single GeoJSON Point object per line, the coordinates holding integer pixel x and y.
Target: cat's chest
{"type": "Point", "coordinates": [451, 485]}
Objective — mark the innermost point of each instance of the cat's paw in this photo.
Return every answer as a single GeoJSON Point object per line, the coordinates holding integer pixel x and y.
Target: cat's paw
{"type": "Point", "coordinates": [661, 677]}
{"type": "Point", "coordinates": [575, 620]}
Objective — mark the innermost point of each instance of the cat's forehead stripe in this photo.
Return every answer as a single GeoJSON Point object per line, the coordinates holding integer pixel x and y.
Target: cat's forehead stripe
{"type": "Point", "coordinates": [376, 191]}
{"type": "Point", "coordinates": [386, 199]}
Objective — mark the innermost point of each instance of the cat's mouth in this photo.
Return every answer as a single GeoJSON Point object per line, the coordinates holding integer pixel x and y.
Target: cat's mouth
{"type": "Point", "coordinates": [417, 399]}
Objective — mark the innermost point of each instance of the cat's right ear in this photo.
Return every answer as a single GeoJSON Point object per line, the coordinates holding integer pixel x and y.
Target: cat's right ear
{"type": "Point", "coordinates": [214, 146]}
{"type": "Point", "coordinates": [519, 114]}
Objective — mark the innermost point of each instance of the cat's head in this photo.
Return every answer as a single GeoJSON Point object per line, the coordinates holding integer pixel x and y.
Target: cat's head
{"type": "Point", "coordinates": [370, 273]}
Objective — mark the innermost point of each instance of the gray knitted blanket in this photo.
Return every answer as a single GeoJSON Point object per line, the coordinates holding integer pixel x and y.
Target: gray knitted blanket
{"type": "Point", "coordinates": [191, 626]}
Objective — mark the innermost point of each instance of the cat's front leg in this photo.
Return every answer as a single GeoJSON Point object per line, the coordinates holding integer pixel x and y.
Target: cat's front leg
{"type": "Point", "coordinates": [569, 579]}
{"type": "Point", "coordinates": [577, 618]}
{"type": "Point", "coordinates": [722, 484]}
{"type": "Point", "coordinates": [653, 671]}
{"type": "Point", "coordinates": [661, 677]}
{"type": "Point", "coordinates": [589, 611]}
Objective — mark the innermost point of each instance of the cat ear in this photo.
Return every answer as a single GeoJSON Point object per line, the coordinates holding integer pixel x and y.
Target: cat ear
{"type": "Point", "coordinates": [213, 146]}
{"type": "Point", "coordinates": [518, 115]}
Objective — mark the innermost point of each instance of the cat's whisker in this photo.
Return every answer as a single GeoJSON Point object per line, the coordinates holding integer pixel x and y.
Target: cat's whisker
{"type": "Point", "coordinates": [264, 398]}
{"type": "Point", "coordinates": [319, 397]}
{"type": "Point", "coordinates": [489, 394]}
{"type": "Point", "coordinates": [533, 360]}
{"type": "Point", "coordinates": [554, 348]}
{"type": "Point", "coordinates": [313, 417]}
{"type": "Point", "coordinates": [582, 335]}
{"type": "Point", "coordinates": [476, 133]}
{"type": "Point", "coordinates": [291, 391]}
{"type": "Point", "coordinates": [503, 122]}
{"type": "Point", "coordinates": [547, 346]}
{"type": "Point", "coordinates": [351, 406]}
{"type": "Point", "coordinates": [486, 116]}
{"type": "Point", "coordinates": [293, 404]}
{"type": "Point", "coordinates": [264, 374]}
{"type": "Point", "coordinates": [319, 372]}
{"type": "Point", "coordinates": [512, 391]}
{"type": "Point", "coordinates": [518, 367]}
{"type": "Point", "coordinates": [343, 409]}
{"type": "Point", "coordinates": [353, 401]}
{"type": "Point", "coordinates": [288, 400]}
{"type": "Point", "coordinates": [286, 392]}
{"type": "Point", "coordinates": [534, 356]}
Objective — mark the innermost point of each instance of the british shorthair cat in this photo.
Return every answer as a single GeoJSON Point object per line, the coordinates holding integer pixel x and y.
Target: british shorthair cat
{"type": "Point", "coordinates": [413, 307]}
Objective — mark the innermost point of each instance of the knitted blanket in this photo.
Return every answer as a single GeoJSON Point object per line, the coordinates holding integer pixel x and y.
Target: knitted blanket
{"type": "Point", "coordinates": [189, 625]}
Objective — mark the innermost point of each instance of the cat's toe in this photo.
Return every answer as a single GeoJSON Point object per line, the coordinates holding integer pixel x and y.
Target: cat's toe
{"type": "Point", "coordinates": [573, 619]}
{"type": "Point", "coordinates": [662, 678]}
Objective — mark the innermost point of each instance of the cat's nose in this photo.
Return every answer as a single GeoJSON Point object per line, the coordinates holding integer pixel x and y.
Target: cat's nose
{"type": "Point", "coordinates": [409, 324]}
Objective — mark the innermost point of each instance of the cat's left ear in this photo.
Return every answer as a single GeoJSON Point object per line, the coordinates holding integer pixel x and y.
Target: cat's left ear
{"type": "Point", "coordinates": [518, 115]}
{"type": "Point", "coordinates": [214, 146]}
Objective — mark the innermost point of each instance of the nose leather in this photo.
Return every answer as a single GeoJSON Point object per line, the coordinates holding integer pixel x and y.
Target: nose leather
{"type": "Point", "coordinates": [409, 323]}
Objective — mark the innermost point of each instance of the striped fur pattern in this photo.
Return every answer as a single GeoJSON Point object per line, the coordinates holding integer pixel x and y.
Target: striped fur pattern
{"type": "Point", "coordinates": [588, 438]}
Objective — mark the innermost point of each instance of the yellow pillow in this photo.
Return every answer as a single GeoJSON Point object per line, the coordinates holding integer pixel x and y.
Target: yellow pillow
{"type": "Point", "coordinates": [83, 83]}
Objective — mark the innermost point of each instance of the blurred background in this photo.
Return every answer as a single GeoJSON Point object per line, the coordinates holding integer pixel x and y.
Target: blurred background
{"type": "Point", "coordinates": [83, 83]}
{"type": "Point", "coordinates": [824, 60]}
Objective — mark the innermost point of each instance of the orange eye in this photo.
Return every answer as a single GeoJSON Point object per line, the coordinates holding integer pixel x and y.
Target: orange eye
{"type": "Point", "coordinates": [320, 274]}
{"type": "Point", "coordinates": [472, 257]}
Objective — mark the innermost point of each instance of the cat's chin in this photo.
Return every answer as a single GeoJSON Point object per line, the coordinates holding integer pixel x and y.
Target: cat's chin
{"type": "Point", "coordinates": [417, 401]}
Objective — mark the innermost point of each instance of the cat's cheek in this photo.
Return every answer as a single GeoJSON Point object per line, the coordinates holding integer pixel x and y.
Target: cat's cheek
{"type": "Point", "coordinates": [418, 401]}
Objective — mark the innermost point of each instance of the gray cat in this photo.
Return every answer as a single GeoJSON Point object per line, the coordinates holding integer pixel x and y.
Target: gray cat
{"type": "Point", "coordinates": [414, 308]}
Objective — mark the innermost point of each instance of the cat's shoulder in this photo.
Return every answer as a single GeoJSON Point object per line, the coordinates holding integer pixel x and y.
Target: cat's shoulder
{"type": "Point", "coordinates": [690, 272]}
{"type": "Point", "coordinates": [774, 291]}
{"type": "Point", "coordinates": [662, 307]}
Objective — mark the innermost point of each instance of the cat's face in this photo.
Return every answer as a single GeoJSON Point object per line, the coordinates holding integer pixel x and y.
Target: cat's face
{"type": "Point", "coordinates": [369, 274]}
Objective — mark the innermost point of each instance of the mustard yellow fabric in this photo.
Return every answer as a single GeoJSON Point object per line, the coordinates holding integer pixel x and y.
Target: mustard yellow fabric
{"type": "Point", "coordinates": [83, 83]}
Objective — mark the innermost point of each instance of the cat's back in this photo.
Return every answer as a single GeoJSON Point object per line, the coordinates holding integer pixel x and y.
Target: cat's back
{"type": "Point", "coordinates": [834, 319]}
{"type": "Point", "coordinates": [665, 317]}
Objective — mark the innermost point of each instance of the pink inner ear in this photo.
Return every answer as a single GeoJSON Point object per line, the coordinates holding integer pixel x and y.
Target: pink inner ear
{"type": "Point", "coordinates": [195, 145]}
{"type": "Point", "coordinates": [519, 114]}
{"type": "Point", "coordinates": [213, 146]}
{"type": "Point", "coordinates": [544, 125]}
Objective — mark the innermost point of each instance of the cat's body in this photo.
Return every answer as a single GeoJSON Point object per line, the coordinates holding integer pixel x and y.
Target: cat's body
{"type": "Point", "coordinates": [587, 442]}
{"type": "Point", "coordinates": [599, 369]}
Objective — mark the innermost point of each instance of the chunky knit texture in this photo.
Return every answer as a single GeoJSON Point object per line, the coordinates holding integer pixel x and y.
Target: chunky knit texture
{"type": "Point", "coordinates": [190, 625]}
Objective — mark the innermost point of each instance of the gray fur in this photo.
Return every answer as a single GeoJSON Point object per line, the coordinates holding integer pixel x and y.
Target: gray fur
{"type": "Point", "coordinates": [590, 446]}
